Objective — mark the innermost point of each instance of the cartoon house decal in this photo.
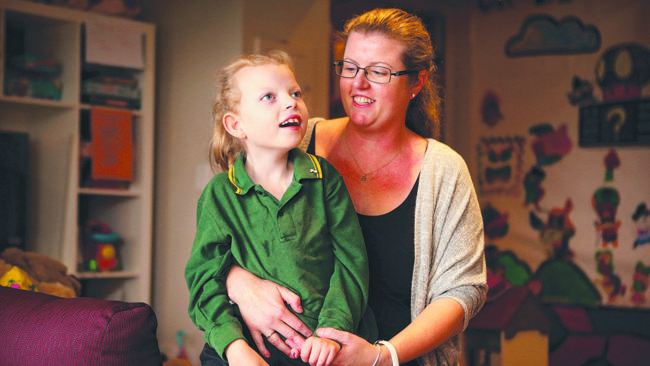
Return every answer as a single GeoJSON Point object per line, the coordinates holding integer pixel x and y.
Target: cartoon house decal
{"type": "Point", "coordinates": [516, 325]}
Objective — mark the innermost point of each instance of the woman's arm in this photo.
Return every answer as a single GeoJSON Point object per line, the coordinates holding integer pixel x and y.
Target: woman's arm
{"type": "Point", "coordinates": [441, 320]}
{"type": "Point", "coordinates": [263, 306]}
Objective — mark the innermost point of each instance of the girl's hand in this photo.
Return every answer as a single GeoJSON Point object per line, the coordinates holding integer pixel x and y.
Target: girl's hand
{"type": "Point", "coordinates": [262, 306]}
{"type": "Point", "coordinates": [354, 350]}
{"type": "Point", "coordinates": [319, 351]}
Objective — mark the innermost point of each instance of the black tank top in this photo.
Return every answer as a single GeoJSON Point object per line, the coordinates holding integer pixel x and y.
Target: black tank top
{"type": "Point", "coordinates": [389, 242]}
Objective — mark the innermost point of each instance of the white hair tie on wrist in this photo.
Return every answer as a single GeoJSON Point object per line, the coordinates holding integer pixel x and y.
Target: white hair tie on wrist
{"type": "Point", "coordinates": [391, 349]}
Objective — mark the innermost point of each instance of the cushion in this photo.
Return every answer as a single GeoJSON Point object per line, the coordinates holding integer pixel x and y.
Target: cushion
{"type": "Point", "coordinates": [40, 329]}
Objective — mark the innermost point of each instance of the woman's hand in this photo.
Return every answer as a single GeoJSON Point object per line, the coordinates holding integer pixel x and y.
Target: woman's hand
{"type": "Point", "coordinates": [354, 350]}
{"type": "Point", "coordinates": [263, 306]}
{"type": "Point", "coordinates": [240, 353]}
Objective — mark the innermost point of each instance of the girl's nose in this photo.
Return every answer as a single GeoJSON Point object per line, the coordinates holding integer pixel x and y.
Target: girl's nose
{"type": "Point", "coordinates": [291, 103]}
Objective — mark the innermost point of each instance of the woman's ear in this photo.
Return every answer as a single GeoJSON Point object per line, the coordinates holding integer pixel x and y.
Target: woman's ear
{"type": "Point", "coordinates": [232, 125]}
{"type": "Point", "coordinates": [423, 75]}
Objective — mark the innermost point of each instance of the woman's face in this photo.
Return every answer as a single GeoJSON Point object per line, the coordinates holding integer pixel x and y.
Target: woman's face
{"type": "Point", "coordinates": [368, 103]}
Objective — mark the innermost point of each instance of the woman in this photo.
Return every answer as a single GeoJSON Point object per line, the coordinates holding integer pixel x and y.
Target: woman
{"type": "Point", "coordinates": [415, 199]}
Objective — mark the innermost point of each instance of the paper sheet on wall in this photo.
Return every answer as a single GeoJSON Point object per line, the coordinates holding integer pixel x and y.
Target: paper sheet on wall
{"type": "Point", "coordinates": [114, 43]}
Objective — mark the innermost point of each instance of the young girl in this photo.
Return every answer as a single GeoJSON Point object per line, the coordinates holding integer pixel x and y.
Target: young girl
{"type": "Point", "coordinates": [278, 212]}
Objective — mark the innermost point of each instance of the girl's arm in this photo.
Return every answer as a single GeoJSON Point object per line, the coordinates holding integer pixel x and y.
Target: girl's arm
{"type": "Point", "coordinates": [263, 306]}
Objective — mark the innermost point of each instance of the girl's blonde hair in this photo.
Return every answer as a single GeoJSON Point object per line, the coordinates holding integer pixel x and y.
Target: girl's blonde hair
{"type": "Point", "coordinates": [224, 147]}
{"type": "Point", "coordinates": [422, 114]}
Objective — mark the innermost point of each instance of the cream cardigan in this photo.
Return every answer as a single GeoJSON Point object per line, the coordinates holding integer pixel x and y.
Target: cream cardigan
{"type": "Point", "coordinates": [449, 246]}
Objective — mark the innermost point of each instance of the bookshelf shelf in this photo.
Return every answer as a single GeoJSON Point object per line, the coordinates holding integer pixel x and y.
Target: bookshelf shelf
{"type": "Point", "coordinates": [107, 275]}
{"type": "Point", "coordinates": [109, 192]}
{"type": "Point", "coordinates": [54, 114]}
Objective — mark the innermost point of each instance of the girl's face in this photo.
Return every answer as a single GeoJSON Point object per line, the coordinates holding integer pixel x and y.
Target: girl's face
{"type": "Point", "coordinates": [368, 103]}
{"type": "Point", "coordinates": [272, 114]}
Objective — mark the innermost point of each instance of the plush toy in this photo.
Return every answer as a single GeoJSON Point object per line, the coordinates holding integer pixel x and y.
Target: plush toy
{"type": "Point", "coordinates": [45, 274]}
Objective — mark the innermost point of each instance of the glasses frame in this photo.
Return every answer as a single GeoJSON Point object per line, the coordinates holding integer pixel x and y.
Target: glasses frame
{"type": "Point", "coordinates": [390, 72]}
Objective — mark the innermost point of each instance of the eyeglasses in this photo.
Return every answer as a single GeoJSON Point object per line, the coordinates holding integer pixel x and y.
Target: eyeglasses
{"type": "Point", "coordinates": [375, 74]}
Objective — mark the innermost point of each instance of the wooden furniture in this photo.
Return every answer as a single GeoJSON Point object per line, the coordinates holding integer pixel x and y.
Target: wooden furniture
{"type": "Point", "coordinates": [60, 207]}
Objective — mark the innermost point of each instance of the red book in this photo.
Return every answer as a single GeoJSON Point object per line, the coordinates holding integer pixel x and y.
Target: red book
{"type": "Point", "coordinates": [112, 140]}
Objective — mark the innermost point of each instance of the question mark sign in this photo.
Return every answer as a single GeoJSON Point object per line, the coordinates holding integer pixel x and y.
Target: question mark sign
{"type": "Point", "coordinates": [616, 116]}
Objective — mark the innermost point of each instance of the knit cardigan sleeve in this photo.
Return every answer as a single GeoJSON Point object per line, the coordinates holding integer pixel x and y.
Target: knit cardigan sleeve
{"type": "Point", "coordinates": [449, 245]}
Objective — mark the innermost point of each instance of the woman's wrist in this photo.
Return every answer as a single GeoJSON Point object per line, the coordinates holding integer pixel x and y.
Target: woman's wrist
{"type": "Point", "coordinates": [236, 274]}
{"type": "Point", "coordinates": [390, 357]}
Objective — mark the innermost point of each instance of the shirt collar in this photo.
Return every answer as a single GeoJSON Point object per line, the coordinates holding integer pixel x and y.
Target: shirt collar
{"type": "Point", "coordinates": [305, 166]}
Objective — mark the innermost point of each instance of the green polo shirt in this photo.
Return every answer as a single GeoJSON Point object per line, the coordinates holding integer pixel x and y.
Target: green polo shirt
{"type": "Point", "coordinates": [310, 242]}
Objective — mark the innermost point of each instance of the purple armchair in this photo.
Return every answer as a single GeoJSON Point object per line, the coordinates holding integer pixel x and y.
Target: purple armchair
{"type": "Point", "coordinates": [39, 329]}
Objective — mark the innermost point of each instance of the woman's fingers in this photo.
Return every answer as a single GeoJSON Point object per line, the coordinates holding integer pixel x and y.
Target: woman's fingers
{"type": "Point", "coordinates": [275, 339]}
{"type": "Point", "coordinates": [291, 299]}
{"type": "Point", "coordinates": [259, 342]}
{"type": "Point", "coordinates": [354, 351]}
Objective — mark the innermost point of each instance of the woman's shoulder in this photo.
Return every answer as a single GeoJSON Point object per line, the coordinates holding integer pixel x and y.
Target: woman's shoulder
{"type": "Point", "coordinates": [441, 159]}
{"type": "Point", "coordinates": [437, 149]}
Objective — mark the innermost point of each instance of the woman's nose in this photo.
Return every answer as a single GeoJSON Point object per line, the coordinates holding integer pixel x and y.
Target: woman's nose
{"type": "Point", "coordinates": [360, 79]}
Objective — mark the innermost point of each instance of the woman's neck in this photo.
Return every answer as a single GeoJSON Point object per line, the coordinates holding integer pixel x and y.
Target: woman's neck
{"type": "Point", "coordinates": [371, 147]}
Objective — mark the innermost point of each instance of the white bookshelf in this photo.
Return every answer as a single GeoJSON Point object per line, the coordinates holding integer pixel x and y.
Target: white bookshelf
{"type": "Point", "coordinates": [58, 204]}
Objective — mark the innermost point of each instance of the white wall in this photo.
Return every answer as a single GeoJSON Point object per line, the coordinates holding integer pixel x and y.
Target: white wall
{"type": "Point", "coordinates": [195, 38]}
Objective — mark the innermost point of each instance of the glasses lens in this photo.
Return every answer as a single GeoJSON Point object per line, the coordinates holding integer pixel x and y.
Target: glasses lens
{"type": "Point", "coordinates": [346, 69]}
{"type": "Point", "coordinates": [378, 74]}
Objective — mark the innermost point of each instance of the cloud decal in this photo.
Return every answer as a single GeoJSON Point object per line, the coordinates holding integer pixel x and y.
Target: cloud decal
{"type": "Point", "coordinates": [544, 35]}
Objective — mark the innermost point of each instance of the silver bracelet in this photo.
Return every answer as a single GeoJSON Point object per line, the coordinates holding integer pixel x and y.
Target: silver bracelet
{"type": "Point", "coordinates": [391, 349]}
{"type": "Point", "coordinates": [378, 354]}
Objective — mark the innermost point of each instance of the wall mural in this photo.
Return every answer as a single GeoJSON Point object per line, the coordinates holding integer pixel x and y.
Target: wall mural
{"type": "Point", "coordinates": [544, 35]}
{"type": "Point", "coordinates": [623, 117]}
{"type": "Point", "coordinates": [491, 109]}
{"type": "Point", "coordinates": [600, 318]}
{"type": "Point", "coordinates": [500, 165]}
{"type": "Point", "coordinates": [487, 5]}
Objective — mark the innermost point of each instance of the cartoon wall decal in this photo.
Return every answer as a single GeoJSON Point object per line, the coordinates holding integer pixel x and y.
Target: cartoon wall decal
{"type": "Point", "coordinates": [605, 201]}
{"type": "Point", "coordinates": [641, 218]}
{"type": "Point", "coordinates": [556, 231]}
{"type": "Point", "coordinates": [551, 145]}
{"type": "Point", "coordinates": [495, 274]}
{"type": "Point", "coordinates": [622, 70]}
{"type": "Point", "coordinates": [623, 118]}
{"type": "Point", "coordinates": [582, 92]}
{"type": "Point", "coordinates": [610, 282]}
{"type": "Point", "coordinates": [487, 5]}
{"type": "Point", "coordinates": [544, 35]}
{"type": "Point", "coordinates": [640, 282]}
{"type": "Point", "coordinates": [495, 223]}
{"type": "Point", "coordinates": [504, 270]}
{"type": "Point", "coordinates": [564, 282]}
{"type": "Point", "coordinates": [612, 161]}
{"type": "Point", "coordinates": [490, 109]}
{"type": "Point", "coordinates": [500, 165]}
{"type": "Point", "coordinates": [533, 191]}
